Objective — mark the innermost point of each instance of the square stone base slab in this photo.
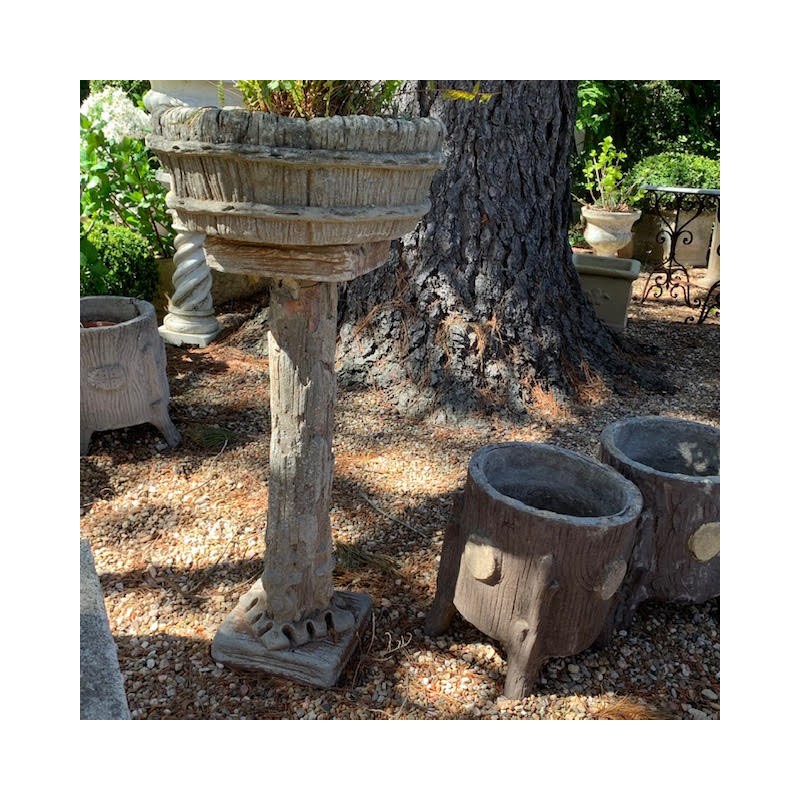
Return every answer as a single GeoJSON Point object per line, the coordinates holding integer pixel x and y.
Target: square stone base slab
{"type": "Point", "coordinates": [317, 663]}
{"type": "Point", "coordinates": [201, 339]}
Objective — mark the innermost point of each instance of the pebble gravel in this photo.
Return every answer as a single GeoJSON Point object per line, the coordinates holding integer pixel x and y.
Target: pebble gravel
{"type": "Point", "coordinates": [177, 537]}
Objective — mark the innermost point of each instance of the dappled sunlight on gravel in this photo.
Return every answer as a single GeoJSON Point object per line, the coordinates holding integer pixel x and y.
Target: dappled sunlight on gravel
{"type": "Point", "coordinates": [177, 537]}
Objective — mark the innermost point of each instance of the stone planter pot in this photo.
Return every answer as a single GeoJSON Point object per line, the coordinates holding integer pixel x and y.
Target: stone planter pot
{"type": "Point", "coordinates": [307, 204]}
{"type": "Point", "coordinates": [534, 553]}
{"type": "Point", "coordinates": [123, 368]}
{"type": "Point", "coordinates": [652, 238]}
{"type": "Point", "coordinates": [608, 283]}
{"type": "Point", "coordinates": [607, 232]}
{"type": "Point", "coordinates": [675, 464]}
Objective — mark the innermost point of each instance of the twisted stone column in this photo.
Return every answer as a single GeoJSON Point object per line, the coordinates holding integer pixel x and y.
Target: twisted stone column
{"type": "Point", "coordinates": [191, 318]}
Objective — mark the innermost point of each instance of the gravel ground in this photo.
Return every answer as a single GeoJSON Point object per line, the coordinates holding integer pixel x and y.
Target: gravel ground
{"type": "Point", "coordinates": [177, 537]}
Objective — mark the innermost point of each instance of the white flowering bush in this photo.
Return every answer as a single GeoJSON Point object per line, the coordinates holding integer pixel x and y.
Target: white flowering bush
{"type": "Point", "coordinates": [118, 171]}
{"type": "Point", "coordinates": [115, 111]}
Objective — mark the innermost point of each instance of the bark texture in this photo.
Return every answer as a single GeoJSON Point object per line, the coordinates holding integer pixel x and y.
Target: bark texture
{"type": "Point", "coordinates": [535, 553]}
{"type": "Point", "coordinates": [481, 307]}
{"type": "Point", "coordinates": [675, 465]}
{"type": "Point", "coordinates": [123, 368]}
{"type": "Point", "coordinates": [298, 565]}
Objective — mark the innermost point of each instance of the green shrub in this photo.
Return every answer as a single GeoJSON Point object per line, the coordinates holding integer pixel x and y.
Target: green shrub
{"type": "Point", "coordinates": [683, 170]}
{"type": "Point", "coordinates": [116, 261]}
{"type": "Point", "coordinates": [118, 172]}
{"type": "Point", "coordinates": [649, 117]}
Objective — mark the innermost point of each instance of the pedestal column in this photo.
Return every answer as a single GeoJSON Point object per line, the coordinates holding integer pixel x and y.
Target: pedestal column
{"type": "Point", "coordinates": [293, 604]}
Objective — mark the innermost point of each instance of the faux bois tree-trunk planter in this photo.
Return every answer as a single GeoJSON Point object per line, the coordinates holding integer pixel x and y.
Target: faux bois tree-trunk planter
{"type": "Point", "coordinates": [309, 204]}
{"type": "Point", "coordinates": [675, 464]}
{"type": "Point", "coordinates": [123, 368]}
{"type": "Point", "coordinates": [535, 552]}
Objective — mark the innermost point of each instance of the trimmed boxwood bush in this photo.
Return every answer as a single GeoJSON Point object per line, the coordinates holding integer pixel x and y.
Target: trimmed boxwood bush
{"type": "Point", "coordinates": [683, 170]}
{"type": "Point", "coordinates": [117, 261]}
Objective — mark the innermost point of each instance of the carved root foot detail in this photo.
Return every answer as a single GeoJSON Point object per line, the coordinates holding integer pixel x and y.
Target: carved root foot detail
{"type": "Point", "coordinates": [274, 635]}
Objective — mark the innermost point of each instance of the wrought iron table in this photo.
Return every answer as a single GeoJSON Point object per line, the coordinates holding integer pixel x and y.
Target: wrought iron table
{"type": "Point", "coordinates": [676, 208]}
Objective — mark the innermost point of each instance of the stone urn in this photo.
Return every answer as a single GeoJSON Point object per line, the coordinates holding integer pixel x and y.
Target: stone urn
{"type": "Point", "coordinates": [675, 464]}
{"type": "Point", "coordinates": [123, 368]}
{"type": "Point", "coordinates": [307, 204]}
{"type": "Point", "coordinates": [608, 232]}
{"type": "Point", "coordinates": [534, 553]}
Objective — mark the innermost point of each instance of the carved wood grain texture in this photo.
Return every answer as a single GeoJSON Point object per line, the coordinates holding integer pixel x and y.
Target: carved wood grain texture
{"type": "Point", "coordinates": [123, 369]}
{"type": "Point", "coordinates": [548, 591]}
{"type": "Point", "coordinates": [663, 566]}
{"type": "Point", "coordinates": [298, 564]}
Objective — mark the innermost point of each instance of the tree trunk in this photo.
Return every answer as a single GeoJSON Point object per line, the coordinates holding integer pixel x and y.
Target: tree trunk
{"type": "Point", "coordinates": [481, 307]}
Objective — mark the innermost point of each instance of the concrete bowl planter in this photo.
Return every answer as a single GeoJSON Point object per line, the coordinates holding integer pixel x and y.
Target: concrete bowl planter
{"type": "Point", "coordinates": [325, 195]}
{"type": "Point", "coordinates": [307, 204]}
{"type": "Point", "coordinates": [608, 232]}
{"type": "Point", "coordinates": [534, 553]}
{"type": "Point", "coordinates": [123, 368]}
{"type": "Point", "coordinates": [675, 463]}
{"type": "Point", "coordinates": [608, 283]}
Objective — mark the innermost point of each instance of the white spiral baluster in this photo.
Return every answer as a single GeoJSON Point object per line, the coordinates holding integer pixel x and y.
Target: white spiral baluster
{"type": "Point", "coordinates": [191, 318]}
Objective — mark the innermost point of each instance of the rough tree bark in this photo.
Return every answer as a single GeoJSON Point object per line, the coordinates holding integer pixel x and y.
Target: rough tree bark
{"type": "Point", "coordinates": [481, 307]}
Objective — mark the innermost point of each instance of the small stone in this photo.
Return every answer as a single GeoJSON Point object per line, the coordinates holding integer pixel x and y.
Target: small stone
{"type": "Point", "coordinates": [709, 694]}
{"type": "Point", "coordinates": [574, 669]}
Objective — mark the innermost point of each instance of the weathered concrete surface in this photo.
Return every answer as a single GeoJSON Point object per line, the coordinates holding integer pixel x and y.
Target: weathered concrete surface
{"type": "Point", "coordinates": [534, 553]}
{"type": "Point", "coordinates": [675, 464]}
{"type": "Point", "coordinates": [102, 691]}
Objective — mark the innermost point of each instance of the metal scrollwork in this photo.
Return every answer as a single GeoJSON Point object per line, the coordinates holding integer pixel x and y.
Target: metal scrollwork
{"type": "Point", "coordinates": [676, 208]}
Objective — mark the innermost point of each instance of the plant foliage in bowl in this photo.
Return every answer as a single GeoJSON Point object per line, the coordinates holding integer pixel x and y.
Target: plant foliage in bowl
{"type": "Point", "coordinates": [609, 187]}
{"type": "Point", "coordinates": [309, 99]}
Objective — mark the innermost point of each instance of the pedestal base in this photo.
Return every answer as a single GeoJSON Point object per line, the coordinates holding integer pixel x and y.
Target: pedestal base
{"type": "Point", "coordinates": [201, 339]}
{"type": "Point", "coordinates": [318, 663]}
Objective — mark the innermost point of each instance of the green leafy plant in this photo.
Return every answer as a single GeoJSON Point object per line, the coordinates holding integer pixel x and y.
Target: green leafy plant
{"type": "Point", "coordinates": [607, 184]}
{"type": "Point", "coordinates": [307, 99]}
{"type": "Point", "coordinates": [116, 261]}
{"type": "Point", "coordinates": [118, 171]}
{"type": "Point", "coordinates": [684, 170]}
